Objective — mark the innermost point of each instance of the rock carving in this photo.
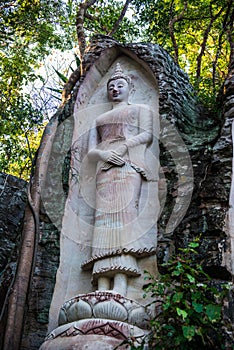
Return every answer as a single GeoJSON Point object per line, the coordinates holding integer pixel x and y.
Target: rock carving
{"type": "Point", "coordinates": [117, 144]}
{"type": "Point", "coordinates": [109, 226]}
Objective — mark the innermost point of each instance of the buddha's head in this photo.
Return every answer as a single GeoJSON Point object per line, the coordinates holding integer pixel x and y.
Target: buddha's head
{"type": "Point", "coordinates": [118, 86]}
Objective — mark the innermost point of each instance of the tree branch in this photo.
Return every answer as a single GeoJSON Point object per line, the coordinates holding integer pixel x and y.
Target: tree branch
{"type": "Point", "coordinates": [81, 13]}
{"type": "Point", "coordinates": [218, 52]}
{"type": "Point", "coordinates": [203, 45]}
{"type": "Point", "coordinates": [29, 147]}
{"type": "Point", "coordinates": [90, 17]}
{"type": "Point", "coordinates": [230, 34]}
{"type": "Point", "coordinates": [119, 20]}
{"type": "Point", "coordinates": [70, 85]}
{"type": "Point", "coordinates": [171, 30]}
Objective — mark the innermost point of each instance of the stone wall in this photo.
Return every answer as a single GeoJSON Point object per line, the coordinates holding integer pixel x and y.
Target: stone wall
{"type": "Point", "coordinates": [207, 135]}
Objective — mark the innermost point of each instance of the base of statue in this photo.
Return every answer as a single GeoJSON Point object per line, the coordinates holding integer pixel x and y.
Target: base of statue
{"type": "Point", "coordinates": [84, 342]}
{"type": "Point", "coordinates": [98, 334]}
{"type": "Point", "coordinates": [99, 320]}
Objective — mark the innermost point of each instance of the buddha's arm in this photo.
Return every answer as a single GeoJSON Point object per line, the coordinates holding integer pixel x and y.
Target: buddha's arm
{"type": "Point", "coordinates": [146, 131]}
{"type": "Point", "coordinates": [95, 154]}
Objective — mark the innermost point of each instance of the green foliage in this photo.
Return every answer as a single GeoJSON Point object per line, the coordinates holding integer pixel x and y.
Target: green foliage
{"type": "Point", "coordinates": [30, 29]}
{"type": "Point", "coordinates": [21, 128]}
{"type": "Point", "coordinates": [199, 32]}
{"type": "Point", "coordinates": [106, 13]}
{"type": "Point", "coordinates": [188, 305]}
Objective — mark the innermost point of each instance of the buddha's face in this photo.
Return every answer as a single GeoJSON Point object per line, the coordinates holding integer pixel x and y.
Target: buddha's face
{"type": "Point", "coordinates": [118, 90]}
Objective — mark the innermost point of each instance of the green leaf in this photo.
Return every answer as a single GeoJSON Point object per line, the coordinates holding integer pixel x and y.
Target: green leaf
{"type": "Point", "coordinates": [57, 97]}
{"type": "Point", "coordinates": [188, 332]}
{"type": "Point", "coordinates": [190, 278]}
{"type": "Point", "coordinates": [177, 297]}
{"type": "Point", "coordinates": [176, 273]}
{"type": "Point", "coordinates": [213, 312]}
{"type": "Point", "coordinates": [197, 307]}
{"type": "Point", "coordinates": [61, 76]}
{"type": "Point", "coordinates": [170, 330]}
{"type": "Point", "coordinates": [196, 295]}
{"type": "Point", "coordinates": [166, 306]}
{"type": "Point", "coordinates": [55, 90]}
{"type": "Point", "coordinates": [77, 60]}
{"type": "Point", "coordinates": [182, 313]}
{"type": "Point", "coordinates": [193, 244]}
{"type": "Point", "coordinates": [178, 269]}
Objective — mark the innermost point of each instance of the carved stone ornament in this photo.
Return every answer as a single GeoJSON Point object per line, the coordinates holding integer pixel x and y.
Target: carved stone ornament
{"type": "Point", "coordinates": [94, 334]}
{"type": "Point", "coordinates": [105, 305]}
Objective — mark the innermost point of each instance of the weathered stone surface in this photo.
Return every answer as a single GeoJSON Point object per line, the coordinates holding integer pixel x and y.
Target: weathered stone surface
{"type": "Point", "coordinates": [47, 259]}
{"type": "Point", "coordinates": [12, 205]}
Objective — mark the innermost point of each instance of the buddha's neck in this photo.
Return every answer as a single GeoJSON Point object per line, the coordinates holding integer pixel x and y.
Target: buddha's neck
{"type": "Point", "coordinates": [119, 104]}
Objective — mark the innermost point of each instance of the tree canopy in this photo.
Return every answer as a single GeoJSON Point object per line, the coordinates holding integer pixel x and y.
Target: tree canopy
{"type": "Point", "coordinates": [197, 33]}
{"type": "Point", "coordinates": [28, 32]}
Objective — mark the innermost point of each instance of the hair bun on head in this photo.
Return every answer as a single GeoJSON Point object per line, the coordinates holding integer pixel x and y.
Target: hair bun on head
{"type": "Point", "coordinates": [119, 74]}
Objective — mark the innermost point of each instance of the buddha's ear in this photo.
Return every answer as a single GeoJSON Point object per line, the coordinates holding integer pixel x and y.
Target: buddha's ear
{"type": "Point", "coordinates": [131, 86]}
{"type": "Point", "coordinates": [132, 91]}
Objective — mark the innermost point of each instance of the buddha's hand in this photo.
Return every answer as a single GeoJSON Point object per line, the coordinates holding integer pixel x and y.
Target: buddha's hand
{"type": "Point", "coordinates": [112, 157]}
{"type": "Point", "coordinates": [121, 150]}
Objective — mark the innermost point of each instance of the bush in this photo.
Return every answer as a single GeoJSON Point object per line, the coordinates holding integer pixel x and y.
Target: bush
{"type": "Point", "coordinates": [188, 305]}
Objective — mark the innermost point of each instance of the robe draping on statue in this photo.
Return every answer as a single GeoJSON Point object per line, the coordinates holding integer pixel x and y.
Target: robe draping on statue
{"type": "Point", "coordinates": [115, 244]}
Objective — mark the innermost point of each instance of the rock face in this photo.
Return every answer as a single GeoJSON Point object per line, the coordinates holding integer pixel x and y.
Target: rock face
{"type": "Point", "coordinates": [12, 205]}
{"type": "Point", "coordinates": [207, 136]}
